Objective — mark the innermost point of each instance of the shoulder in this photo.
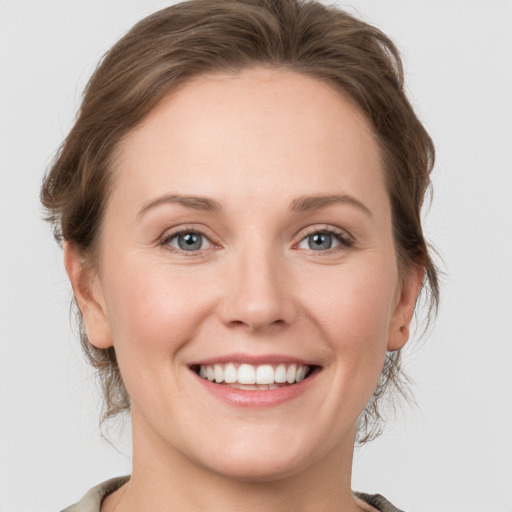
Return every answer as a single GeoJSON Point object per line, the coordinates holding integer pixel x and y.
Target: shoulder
{"type": "Point", "coordinates": [91, 502]}
{"type": "Point", "coordinates": [378, 502]}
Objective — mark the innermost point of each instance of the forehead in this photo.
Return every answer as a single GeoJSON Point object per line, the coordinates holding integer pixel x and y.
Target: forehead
{"type": "Point", "coordinates": [257, 130]}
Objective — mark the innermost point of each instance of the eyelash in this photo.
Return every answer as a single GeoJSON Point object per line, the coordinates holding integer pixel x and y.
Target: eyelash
{"type": "Point", "coordinates": [345, 240]}
{"type": "Point", "coordinates": [167, 239]}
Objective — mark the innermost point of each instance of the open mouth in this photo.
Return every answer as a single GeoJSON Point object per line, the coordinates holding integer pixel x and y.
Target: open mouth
{"type": "Point", "coordinates": [255, 377]}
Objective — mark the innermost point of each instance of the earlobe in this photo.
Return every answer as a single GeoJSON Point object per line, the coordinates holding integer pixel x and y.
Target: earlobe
{"type": "Point", "coordinates": [404, 311]}
{"type": "Point", "coordinates": [89, 297]}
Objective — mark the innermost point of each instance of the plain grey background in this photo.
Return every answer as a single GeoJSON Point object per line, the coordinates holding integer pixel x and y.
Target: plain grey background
{"type": "Point", "coordinates": [451, 453]}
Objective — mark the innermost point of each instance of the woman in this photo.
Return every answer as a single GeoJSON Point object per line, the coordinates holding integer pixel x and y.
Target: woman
{"type": "Point", "coordinates": [239, 204]}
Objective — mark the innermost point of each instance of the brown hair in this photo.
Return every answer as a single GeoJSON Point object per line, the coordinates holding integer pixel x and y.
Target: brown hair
{"type": "Point", "coordinates": [173, 45]}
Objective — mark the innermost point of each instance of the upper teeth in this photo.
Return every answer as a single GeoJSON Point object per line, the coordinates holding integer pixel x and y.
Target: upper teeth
{"type": "Point", "coordinates": [249, 374]}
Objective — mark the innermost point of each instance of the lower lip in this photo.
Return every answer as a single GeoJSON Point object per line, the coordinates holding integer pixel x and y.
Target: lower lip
{"type": "Point", "coordinates": [257, 398]}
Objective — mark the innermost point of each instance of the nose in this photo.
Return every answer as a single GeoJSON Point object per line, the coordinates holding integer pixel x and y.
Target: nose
{"type": "Point", "coordinates": [258, 292]}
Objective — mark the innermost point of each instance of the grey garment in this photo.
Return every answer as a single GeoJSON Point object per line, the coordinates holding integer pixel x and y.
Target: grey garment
{"type": "Point", "coordinates": [377, 501]}
{"type": "Point", "coordinates": [91, 502]}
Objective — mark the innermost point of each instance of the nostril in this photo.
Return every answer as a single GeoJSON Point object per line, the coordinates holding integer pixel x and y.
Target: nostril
{"type": "Point", "coordinates": [258, 325]}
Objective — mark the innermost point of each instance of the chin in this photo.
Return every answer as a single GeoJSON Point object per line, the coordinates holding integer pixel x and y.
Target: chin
{"type": "Point", "coordinates": [262, 457]}
{"type": "Point", "coordinates": [254, 469]}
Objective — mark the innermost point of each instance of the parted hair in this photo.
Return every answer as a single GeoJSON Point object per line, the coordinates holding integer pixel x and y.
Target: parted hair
{"type": "Point", "coordinates": [176, 44]}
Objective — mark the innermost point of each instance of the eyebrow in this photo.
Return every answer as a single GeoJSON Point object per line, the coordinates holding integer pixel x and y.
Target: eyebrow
{"type": "Point", "coordinates": [316, 202]}
{"type": "Point", "coordinates": [194, 202]}
{"type": "Point", "coordinates": [298, 205]}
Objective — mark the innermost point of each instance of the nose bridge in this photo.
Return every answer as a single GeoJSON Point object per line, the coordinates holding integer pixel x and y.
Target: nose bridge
{"type": "Point", "coordinates": [259, 294]}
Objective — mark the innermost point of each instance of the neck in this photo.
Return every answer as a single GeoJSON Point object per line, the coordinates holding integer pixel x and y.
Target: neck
{"type": "Point", "coordinates": [164, 479]}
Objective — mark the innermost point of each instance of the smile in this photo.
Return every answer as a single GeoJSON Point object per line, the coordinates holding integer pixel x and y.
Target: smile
{"type": "Point", "coordinates": [254, 377]}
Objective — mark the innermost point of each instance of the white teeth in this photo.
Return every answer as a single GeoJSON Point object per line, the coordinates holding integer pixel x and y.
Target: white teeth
{"type": "Point", "coordinates": [230, 373]}
{"type": "Point", "coordinates": [219, 373]}
{"type": "Point", "coordinates": [301, 373]}
{"type": "Point", "coordinates": [265, 374]}
{"type": "Point", "coordinates": [247, 376]}
{"type": "Point", "coordinates": [291, 373]}
{"type": "Point", "coordinates": [252, 387]}
{"type": "Point", "coordinates": [280, 374]}
{"type": "Point", "coordinates": [265, 387]}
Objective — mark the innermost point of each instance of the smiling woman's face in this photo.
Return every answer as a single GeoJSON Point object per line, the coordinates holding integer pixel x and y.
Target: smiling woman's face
{"type": "Point", "coordinates": [248, 237]}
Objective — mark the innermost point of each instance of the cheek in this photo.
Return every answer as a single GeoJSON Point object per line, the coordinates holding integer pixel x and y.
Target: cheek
{"type": "Point", "coordinates": [355, 311]}
{"type": "Point", "coordinates": [152, 312]}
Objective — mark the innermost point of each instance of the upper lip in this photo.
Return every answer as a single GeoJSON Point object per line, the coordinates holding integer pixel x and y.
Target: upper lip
{"type": "Point", "coordinates": [253, 359]}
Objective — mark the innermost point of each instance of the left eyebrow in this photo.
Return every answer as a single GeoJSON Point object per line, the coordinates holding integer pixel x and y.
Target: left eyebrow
{"type": "Point", "coordinates": [316, 202]}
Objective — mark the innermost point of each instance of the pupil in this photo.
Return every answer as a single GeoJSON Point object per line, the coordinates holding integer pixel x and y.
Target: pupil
{"type": "Point", "coordinates": [320, 241]}
{"type": "Point", "coordinates": [189, 241]}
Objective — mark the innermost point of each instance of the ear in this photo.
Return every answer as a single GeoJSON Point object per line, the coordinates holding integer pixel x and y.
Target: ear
{"type": "Point", "coordinates": [404, 309]}
{"type": "Point", "coordinates": [89, 296]}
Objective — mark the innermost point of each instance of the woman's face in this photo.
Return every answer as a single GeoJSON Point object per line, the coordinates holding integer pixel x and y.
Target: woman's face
{"type": "Point", "coordinates": [248, 234]}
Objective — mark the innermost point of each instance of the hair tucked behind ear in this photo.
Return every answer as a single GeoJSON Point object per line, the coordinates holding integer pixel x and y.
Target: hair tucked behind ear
{"type": "Point", "coordinates": [176, 44]}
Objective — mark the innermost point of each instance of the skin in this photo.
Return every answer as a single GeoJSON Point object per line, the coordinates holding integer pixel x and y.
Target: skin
{"type": "Point", "coordinates": [254, 142]}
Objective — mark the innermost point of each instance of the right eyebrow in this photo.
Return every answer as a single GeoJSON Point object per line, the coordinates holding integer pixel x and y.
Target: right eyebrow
{"type": "Point", "coordinates": [195, 202]}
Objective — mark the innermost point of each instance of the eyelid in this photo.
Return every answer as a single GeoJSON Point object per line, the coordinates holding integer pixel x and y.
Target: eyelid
{"type": "Point", "coordinates": [328, 228]}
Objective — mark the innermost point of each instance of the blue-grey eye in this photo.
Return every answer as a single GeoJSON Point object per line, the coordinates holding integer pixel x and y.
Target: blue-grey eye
{"type": "Point", "coordinates": [189, 241]}
{"type": "Point", "coordinates": [320, 241]}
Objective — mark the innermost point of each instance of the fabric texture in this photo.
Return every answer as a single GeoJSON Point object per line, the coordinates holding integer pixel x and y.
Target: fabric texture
{"type": "Point", "coordinates": [91, 502]}
{"type": "Point", "coordinates": [377, 501]}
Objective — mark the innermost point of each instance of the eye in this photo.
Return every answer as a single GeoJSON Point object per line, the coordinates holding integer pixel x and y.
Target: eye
{"type": "Point", "coordinates": [318, 242]}
{"type": "Point", "coordinates": [325, 239]}
{"type": "Point", "coordinates": [188, 241]}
